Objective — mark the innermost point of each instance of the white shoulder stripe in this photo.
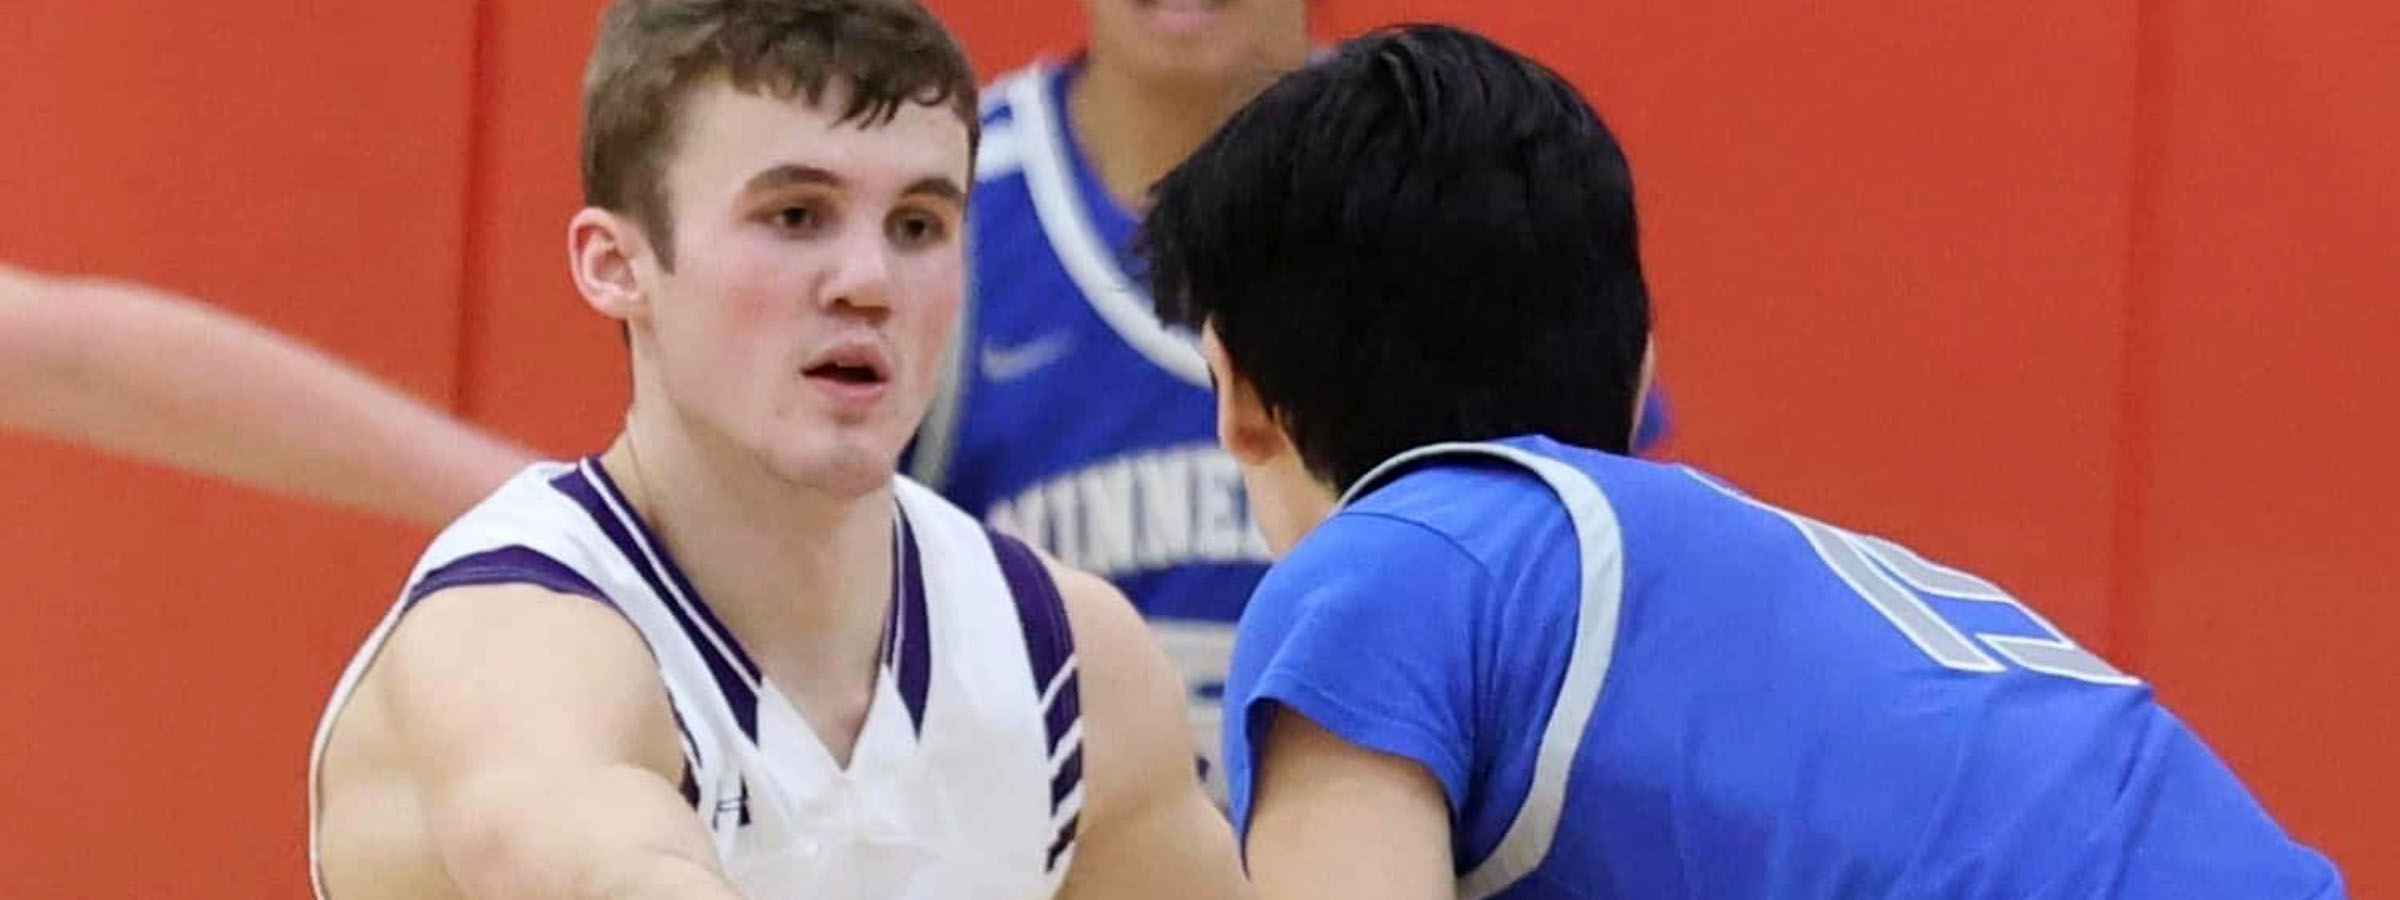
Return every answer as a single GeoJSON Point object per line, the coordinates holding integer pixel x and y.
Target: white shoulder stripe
{"type": "Point", "coordinates": [1000, 155]}
{"type": "Point", "coordinates": [1041, 141]}
{"type": "Point", "coordinates": [1530, 835]}
{"type": "Point", "coordinates": [995, 95]}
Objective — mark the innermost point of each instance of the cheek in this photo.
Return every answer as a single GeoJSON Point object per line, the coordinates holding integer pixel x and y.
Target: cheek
{"type": "Point", "coordinates": [756, 288]}
{"type": "Point", "coordinates": [929, 311]}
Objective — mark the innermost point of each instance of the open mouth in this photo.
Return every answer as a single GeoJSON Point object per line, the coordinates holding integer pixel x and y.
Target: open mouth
{"type": "Point", "coordinates": [846, 373]}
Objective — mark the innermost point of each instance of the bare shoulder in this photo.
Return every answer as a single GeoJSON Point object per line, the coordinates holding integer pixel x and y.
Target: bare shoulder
{"type": "Point", "coordinates": [527, 673]}
{"type": "Point", "coordinates": [1135, 731]}
{"type": "Point", "coordinates": [1149, 828]}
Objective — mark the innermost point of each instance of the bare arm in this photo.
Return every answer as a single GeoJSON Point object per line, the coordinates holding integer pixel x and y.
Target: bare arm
{"type": "Point", "coordinates": [1332, 819]}
{"type": "Point", "coordinates": [541, 742]}
{"type": "Point", "coordinates": [145, 373]}
{"type": "Point", "coordinates": [1150, 830]}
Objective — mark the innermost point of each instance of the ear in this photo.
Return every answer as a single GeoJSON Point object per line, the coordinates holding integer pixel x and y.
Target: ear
{"type": "Point", "coordinates": [602, 251]}
{"type": "Point", "coordinates": [1244, 426]}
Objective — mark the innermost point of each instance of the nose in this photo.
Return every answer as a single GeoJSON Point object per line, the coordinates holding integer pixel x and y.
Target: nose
{"type": "Point", "coordinates": [862, 272]}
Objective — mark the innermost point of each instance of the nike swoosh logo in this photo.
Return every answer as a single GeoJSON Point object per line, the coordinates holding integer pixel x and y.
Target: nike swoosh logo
{"type": "Point", "coordinates": [1009, 363]}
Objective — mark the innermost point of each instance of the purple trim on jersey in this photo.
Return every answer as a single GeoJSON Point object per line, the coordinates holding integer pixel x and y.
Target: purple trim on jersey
{"type": "Point", "coordinates": [1050, 648]}
{"type": "Point", "coordinates": [914, 658]}
{"type": "Point", "coordinates": [1070, 773]}
{"type": "Point", "coordinates": [1042, 614]}
{"type": "Point", "coordinates": [508, 565]}
{"type": "Point", "coordinates": [730, 681]}
{"type": "Point", "coordinates": [674, 573]}
{"type": "Point", "coordinates": [1065, 710]}
{"type": "Point", "coordinates": [518, 564]}
{"type": "Point", "coordinates": [1059, 845]}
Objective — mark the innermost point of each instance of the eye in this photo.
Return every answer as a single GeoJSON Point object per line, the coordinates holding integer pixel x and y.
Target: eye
{"type": "Point", "coordinates": [798, 218]}
{"type": "Point", "coordinates": [917, 229]}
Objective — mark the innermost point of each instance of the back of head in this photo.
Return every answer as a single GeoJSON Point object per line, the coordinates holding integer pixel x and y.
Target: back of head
{"type": "Point", "coordinates": [652, 53]}
{"type": "Point", "coordinates": [1424, 238]}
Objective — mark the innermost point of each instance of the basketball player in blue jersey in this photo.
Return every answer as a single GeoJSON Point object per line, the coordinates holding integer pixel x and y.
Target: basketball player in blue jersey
{"type": "Point", "coordinates": [735, 655]}
{"type": "Point", "coordinates": [1496, 658]}
{"type": "Point", "coordinates": [1070, 416]}
{"type": "Point", "coordinates": [143, 372]}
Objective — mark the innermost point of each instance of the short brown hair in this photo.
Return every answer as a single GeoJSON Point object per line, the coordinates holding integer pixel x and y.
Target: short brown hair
{"type": "Point", "coordinates": [651, 53]}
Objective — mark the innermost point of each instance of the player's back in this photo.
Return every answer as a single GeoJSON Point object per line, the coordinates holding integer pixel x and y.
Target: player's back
{"type": "Point", "coordinates": [1681, 692]}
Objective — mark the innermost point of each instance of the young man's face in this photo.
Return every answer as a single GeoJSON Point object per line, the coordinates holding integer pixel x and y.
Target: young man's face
{"type": "Point", "coordinates": [1199, 43]}
{"type": "Point", "coordinates": [817, 276]}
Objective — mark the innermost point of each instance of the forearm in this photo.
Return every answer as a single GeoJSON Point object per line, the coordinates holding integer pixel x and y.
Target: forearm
{"type": "Point", "coordinates": [613, 834]}
{"type": "Point", "coordinates": [137, 372]}
{"type": "Point", "coordinates": [661, 877]}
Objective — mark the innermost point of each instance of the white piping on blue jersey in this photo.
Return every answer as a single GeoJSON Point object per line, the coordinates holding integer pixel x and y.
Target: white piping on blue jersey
{"type": "Point", "coordinates": [1892, 591]}
{"type": "Point", "coordinates": [1529, 836]}
{"type": "Point", "coordinates": [1001, 153]}
{"type": "Point", "coordinates": [1041, 139]}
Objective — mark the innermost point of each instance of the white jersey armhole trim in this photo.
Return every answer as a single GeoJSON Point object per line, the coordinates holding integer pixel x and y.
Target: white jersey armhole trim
{"type": "Point", "coordinates": [1041, 140]}
{"type": "Point", "coordinates": [1530, 835]}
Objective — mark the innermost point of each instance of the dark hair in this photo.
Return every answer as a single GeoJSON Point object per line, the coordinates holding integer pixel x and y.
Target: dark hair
{"type": "Point", "coordinates": [1424, 238]}
{"type": "Point", "coordinates": [651, 53]}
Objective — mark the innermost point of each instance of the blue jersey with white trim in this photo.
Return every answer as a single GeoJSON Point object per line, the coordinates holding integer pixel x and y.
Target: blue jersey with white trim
{"type": "Point", "coordinates": [1071, 417]}
{"type": "Point", "coordinates": [1074, 419]}
{"type": "Point", "coordinates": [1633, 681]}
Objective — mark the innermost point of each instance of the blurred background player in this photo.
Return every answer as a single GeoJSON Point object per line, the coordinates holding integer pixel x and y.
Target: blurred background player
{"type": "Point", "coordinates": [142, 372]}
{"type": "Point", "coordinates": [735, 655]}
{"type": "Point", "coordinates": [1528, 666]}
{"type": "Point", "coordinates": [1072, 418]}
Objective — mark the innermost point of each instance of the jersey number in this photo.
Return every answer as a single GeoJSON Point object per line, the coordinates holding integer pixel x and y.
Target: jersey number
{"type": "Point", "coordinates": [1888, 588]}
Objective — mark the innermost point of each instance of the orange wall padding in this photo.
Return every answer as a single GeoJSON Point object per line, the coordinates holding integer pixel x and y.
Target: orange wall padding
{"type": "Point", "coordinates": [2092, 298]}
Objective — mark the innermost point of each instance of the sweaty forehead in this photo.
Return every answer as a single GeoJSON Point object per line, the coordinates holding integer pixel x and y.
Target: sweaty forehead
{"type": "Point", "coordinates": [727, 136]}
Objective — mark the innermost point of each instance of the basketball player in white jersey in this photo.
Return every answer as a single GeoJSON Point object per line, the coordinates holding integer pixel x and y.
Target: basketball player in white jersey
{"type": "Point", "coordinates": [735, 655]}
{"type": "Point", "coordinates": [143, 372]}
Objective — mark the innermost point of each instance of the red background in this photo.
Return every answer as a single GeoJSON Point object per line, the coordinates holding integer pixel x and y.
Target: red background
{"type": "Point", "coordinates": [2091, 298]}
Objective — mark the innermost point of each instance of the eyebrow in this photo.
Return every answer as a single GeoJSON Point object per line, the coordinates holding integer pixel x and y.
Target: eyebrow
{"type": "Point", "coordinates": [939, 187]}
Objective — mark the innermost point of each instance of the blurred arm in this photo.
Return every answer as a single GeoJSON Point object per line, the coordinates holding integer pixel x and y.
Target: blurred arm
{"type": "Point", "coordinates": [148, 374]}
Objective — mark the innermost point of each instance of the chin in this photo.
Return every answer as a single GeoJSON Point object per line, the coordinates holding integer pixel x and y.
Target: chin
{"type": "Point", "coordinates": [841, 465]}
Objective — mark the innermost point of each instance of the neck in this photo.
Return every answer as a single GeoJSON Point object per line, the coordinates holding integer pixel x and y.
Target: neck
{"type": "Point", "coordinates": [797, 574]}
{"type": "Point", "coordinates": [1135, 131]}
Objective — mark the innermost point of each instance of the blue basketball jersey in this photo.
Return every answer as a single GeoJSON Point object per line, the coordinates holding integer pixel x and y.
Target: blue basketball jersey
{"type": "Point", "coordinates": [1633, 681]}
{"type": "Point", "coordinates": [1073, 418]}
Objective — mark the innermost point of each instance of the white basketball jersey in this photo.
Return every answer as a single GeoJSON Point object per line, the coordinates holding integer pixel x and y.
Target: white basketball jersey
{"type": "Point", "coordinates": [966, 779]}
